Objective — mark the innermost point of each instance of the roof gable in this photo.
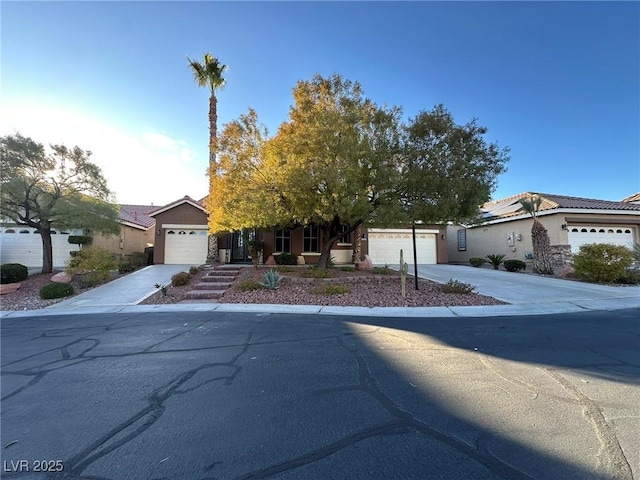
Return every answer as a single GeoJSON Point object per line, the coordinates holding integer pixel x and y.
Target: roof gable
{"type": "Point", "coordinates": [199, 204]}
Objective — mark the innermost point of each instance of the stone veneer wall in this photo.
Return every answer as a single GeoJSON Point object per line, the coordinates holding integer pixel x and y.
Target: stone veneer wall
{"type": "Point", "coordinates": [561, 255]}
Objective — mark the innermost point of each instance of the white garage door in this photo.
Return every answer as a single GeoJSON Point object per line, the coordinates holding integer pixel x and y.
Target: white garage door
{"type": "Point", "coordinates": [583, 234]}
{"type": "Point", "coordinates": [185, 246]}
{"type": "Point", "coordinates": [385, 245]}
{"type": "Point", "coordinates": [24, 245]}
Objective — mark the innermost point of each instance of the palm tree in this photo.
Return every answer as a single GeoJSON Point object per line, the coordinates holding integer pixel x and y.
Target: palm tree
{"type": "Point", "coordinates": [209, 74]}
{"type": "Point", "coordinates": [542, 261]}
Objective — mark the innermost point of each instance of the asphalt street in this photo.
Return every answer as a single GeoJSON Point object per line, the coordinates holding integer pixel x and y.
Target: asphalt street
{"type": "Point", "coordinates": [215, 395]}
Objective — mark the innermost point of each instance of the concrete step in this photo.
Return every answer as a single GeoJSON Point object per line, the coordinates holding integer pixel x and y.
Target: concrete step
{"type": "Point", "coordinates": [222, 273]}
{"type": "Point", "coordinates": [217, 279]}
{"type": "Point", "coordinates": [204, 294]}
{"type": "Point", "coordinates": [212, 285]}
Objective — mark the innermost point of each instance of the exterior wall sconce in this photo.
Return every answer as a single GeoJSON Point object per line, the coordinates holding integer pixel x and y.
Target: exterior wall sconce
{"type": "Point", "coordinates": [564, 226]}
{"type": "Point", "coordinates": [159, 232]}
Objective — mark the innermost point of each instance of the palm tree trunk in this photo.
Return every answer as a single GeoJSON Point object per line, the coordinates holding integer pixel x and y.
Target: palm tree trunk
{"type": "Point", "coordinates": [212, 250]}
{"type": "Point", "coordinates": [542, 260]}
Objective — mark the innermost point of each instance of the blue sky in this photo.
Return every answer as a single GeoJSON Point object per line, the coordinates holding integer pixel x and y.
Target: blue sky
{"type": "Point", "coordinates": [557, 82]}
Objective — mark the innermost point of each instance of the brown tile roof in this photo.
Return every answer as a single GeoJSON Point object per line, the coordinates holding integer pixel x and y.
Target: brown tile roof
{"type": "Point", "coordinates": [511, 206]}
{"type": "Point", "coordinates": [137, 215]}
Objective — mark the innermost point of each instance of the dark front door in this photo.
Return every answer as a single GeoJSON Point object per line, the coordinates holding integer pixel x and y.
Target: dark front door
{"type": "Point", "coordinates": [239, 250]}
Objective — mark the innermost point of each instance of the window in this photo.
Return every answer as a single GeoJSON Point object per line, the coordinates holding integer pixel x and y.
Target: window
{"type": "Point", "coordinates": [310, 243]}
{"type": "Point", "coordinates": [345, 238]}
{"type": "Point", "coordinates": [25, 231]}
{"type": "Point", "coordinates": [283, 240]}
{"type": "Point", "coordinates": [11, 230]}
{"type": "Point", "coordinates": [171, 232]}
{"type": "Point", "coordinates": [462, 240]}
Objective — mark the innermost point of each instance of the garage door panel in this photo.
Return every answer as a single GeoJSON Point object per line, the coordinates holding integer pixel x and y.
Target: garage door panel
{"type": "Point", "coordinates": [584, 234]}
{"type": "Point", "coordinates": [186, 246]}
{"type": "Point", "coordinates": [24, 245]}
{"type": "Point", "coordinates": [385, 245]}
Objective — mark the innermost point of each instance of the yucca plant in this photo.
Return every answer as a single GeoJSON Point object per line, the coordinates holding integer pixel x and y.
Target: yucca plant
{"type": "Point", "coordinates": [542, 261]}
{"type": "Point", "coordinates": [496, 259]}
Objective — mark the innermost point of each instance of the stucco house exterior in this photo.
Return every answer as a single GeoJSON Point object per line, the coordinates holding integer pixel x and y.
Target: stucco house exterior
{"type": "Point", "coordinates": [181, 238]}
{"type": "Point", "coordinates": [570, 221]}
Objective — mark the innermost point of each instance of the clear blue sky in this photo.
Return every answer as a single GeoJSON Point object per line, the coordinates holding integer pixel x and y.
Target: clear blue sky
{"type": "Point", "coordinates": [558, 83]}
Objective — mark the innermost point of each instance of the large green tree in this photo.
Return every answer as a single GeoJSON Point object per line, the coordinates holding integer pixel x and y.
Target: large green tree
{"type": "Point", "coordinates": [447, 169]}
{"type": "Point", "coordinates": [56, 189]}
{"type": "Point", "coordinates": [210, 74]}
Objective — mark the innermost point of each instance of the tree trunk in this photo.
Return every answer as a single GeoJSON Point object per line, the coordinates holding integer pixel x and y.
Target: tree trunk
{"type": "Point", "coordinates": [357, 244]}
{"type": "Point", "coordinates": [325, 255]}
{"type": "Point", "coordinates": [542, 261]}
{"type": "Point", "coordinates": [213, 128]}
{"type": "Point", "coordinates": [47, 250]}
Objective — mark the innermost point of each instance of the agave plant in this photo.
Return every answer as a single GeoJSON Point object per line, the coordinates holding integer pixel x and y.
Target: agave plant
{"type": "Point", "coordinates": [271, 280]}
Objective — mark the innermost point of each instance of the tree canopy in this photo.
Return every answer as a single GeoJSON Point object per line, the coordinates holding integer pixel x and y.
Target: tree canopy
{"type": "Point", "coordinates": [56, 189]}
{"type": "Point", "coordinates": [340, 161]}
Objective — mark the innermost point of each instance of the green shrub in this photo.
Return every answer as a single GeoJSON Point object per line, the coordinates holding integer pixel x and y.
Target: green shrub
{"type": "Point", "coordinates": [331, 261]}
{"type": "Point", "coordinates": [13, 273]}
{"type": "Point", "coordinates": [247, 285]}
{"type": "Point", "coordinates": [125, 267]}
{"type": "Point", "coordinates": [477, 262]}
{"type": "Point", "coordinates": [95, 263]}
{"type": "Point", "coordinates": [287, 259]}
{"type": "Point", "coordinates": [630, 277]}
{"type": "Point", "coordinates": [496, 259]}
{"type": "Point", "coordinates": [514, 265]}
{"type": "Point", "coordinates": [180, 279]}
{"type": "Point", "coordinates": [313, 272]}
{"type": "Point", "coordinates": [456, 286]}
{"type": "Point", "coordinates": [330, 289]}
{"type": "Point", "coordinates": [602, 262]}
{"type": "Point", "coordinates": [56, 290]}
{"type": "Point", "coordinates": [382, 270]}
{"type": "Point", "coordinates": [80, 240]}
{"type": "Point", "coordinates": [348, 268]}
{"type": "Point", "coordinates": [271, 280]}
{"type": "Point", "coordinates": [194, 270]}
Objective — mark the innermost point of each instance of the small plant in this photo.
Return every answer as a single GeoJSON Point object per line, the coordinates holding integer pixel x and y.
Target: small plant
{"type": "Point", "coordinates": [271, 280]}
{"type": "Point", "coordinates": [13, 273]}
{"type": "Point", "coordinates": [180, 279]}
{"type": "Point", "coordinates": [313, 272]}
{"type": "Point", "coordinates": [514, 265]}
{"type": "Point", "coordinates": [348, 268]}
{"type": "Point", "coordinates": [125, 267]}
{"type": "Point", "coordinates": [193, 270]}
{"type": "Point", "coordinates": [331, 261]}
{"type": "Point", "coordinates": [287, 259]}
{"type": "Point", "coordinates": [477, 262]}
{"type": "Point", "coordinates": [247, 285]}
{"type": "Point", "coordinates": [329, 289]}
{"type": "Point", "coordinates": [456, 286]}
{"type": "Point", "coordinates": [602, 262]}
{"type": "Point", "coordinates": [56, 290]}
{"type": "Point", "coordinates": [382, 270]}
{"type": "Point", "coordinates": [404, 269]}
{"type": "Point", "coordinates": [94, 263]}
{"type": "Point", "coordinates": [162, 288]}
{"type": "Point", "coordinates": [496, 259]}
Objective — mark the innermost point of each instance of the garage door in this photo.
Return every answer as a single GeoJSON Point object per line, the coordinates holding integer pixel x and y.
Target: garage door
{"type": "Point", "coordinates": [24, 245]}
{"type": "Point", "coordinates": [385, 245]}
{"type": "Point", "coordinates": [583, 234]}
{"type": "Point", "coordinates": [186, 246]}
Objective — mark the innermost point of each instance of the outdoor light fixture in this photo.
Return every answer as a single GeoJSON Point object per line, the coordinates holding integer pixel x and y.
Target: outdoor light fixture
{"type": "Point", "coordinates": [564, 226]}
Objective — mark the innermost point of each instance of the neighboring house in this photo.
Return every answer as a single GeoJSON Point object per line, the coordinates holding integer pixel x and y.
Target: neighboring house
{"type": "Point", "coordinates": [181, 238]}
{"type": "Point", "coordinates": [570, 222]}
{"type": "Point", "coordinates": [136, 232]}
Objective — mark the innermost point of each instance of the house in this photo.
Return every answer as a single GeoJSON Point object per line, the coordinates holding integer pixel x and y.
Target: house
{"type": "Point", "coordinates": [570, 221]}
{"type": "Point", "coordinates": [181, 238]}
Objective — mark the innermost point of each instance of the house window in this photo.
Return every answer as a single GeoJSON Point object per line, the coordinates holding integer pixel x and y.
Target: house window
{"type": "Point", "coordinates": [283, 240]}
{"type": "Point", "coordinates": [25, 231]}
{"type": "Point", "coordinates": [462, 240]}
{"type": "Point", "coordinates": [310, 239]}
{"type": "Point", "coordinates": [11, 230]}
{"type": "Point", "coordinates": [346, 237]}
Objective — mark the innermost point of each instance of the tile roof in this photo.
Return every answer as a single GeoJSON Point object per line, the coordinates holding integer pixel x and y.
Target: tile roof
{"type": "Point", "coordinates": [175, 203]}
{"type": "Point", "coordinates": [511, 206]}
{"type": "Point", "coordinates": [137, 215]}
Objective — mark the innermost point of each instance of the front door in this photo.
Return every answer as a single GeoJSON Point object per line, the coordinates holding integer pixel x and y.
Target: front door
{"type": "Point", "coordinates": [239, 250]}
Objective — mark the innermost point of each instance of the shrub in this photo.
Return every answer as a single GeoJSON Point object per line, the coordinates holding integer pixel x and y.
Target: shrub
{"type": "Point", "coordinates": [80, 240]}
{"type": "Point", "coordinates": [348, 268]}
{"type": "Point", "coordinates": [56, 290]}
{"type": "Point", "coordinates": [382, 270]}
{"type": "Point", "coordinates": [95, 263]}
{"type": "Point", "coordinates": [180, 279]}
{"type": "Point", "coordinates": [247, 285]}
{"type": "Point", "coordinates": [125, 267]}
{"type": "Point", "coordinates": [477, 262]}
{"type": "Point", "coordinates": [456, 286]}
{"type": "Point", "coordinates": [330, 289]}
{"type": "Point", "coordinates": [602, 262]}
{"type": "Point", "coordinates": [194, 270]}
{"type": "Point", "coordinates": [271, 280]}
{"type": "Point", "coordinates": [496, 259]}
{"type": "Point", "coordinates": [331, 261]}
{"type": "Point", "coordinates": [13, 273]}
{"type": "Point", "coordinates": [313, 272]}
{"type": "Point", "coordinates": [514, 265]}
{"type": "Point", "coordinates": [630, 277]}
{"type": "Point", "coordinates": [287, 259]}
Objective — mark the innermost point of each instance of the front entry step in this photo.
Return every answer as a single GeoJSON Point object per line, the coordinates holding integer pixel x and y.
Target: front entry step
{"type": "Point", "coordinates": [213, 285]}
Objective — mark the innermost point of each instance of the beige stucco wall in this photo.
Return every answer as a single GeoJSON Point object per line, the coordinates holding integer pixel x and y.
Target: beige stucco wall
{"type": "Point", "coordinates": [130, 240]}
